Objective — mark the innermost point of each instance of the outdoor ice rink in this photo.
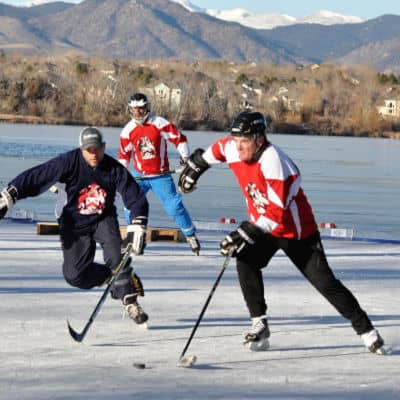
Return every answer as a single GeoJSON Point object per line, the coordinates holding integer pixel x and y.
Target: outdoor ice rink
{"type": "Point", "coordinates": [314, 353]}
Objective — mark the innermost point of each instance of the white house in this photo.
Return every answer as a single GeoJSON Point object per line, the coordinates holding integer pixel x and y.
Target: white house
{"type": "Point", "coordinates": [391, 108]}
{"type": "Point", "coordinates": [282, 91]}
{"type": "Point", "coordinates": [289, 103]}
{"type": "Point", "coordinates": [249, 95]}
{"type": "Point", "coordinates": [164, 93]}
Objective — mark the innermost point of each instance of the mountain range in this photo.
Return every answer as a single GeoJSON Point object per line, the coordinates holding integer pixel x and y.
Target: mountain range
{"type": "Point", "coordinates": [269, 21]}
{"type": "Point", "coordinates": [145, 29]}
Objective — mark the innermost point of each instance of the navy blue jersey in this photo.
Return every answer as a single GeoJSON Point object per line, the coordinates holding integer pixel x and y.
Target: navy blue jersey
{"type": "Point", "coordinates": [90, 191]}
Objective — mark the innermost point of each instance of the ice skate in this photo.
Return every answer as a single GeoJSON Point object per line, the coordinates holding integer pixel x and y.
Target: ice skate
{"type": "Point", "coordinates": [134, 310]}
{"type": "Point", "coordinates": [194, 243]}
{"type": "Point", "coordinates": [374, 342]}
{"type": "Point", "coordinates": [256, 338]}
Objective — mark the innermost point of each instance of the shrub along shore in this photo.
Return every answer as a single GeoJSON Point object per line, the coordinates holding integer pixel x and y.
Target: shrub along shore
{"type": "Point", "coordinates": [206, 95]}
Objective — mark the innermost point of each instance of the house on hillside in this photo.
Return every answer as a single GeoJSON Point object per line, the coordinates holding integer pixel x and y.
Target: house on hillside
{"type": "Point", "coordinates": [251, 96]}
{"type": "Point", "coordinates": [288, 103]}
{"type": "Point", "coordinates": [283, 91]}
{"type": "Point", "coordinates": [390, 109]}
{"type": "Point", "coordinates": [165, 94]}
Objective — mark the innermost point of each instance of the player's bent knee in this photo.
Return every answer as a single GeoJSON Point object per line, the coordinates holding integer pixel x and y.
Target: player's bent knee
{"type": "Point", "coordinates": [78, 282]}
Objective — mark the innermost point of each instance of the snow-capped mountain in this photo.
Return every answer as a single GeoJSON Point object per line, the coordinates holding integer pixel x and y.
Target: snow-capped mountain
{"type": "Point", "coordinates": [325, 17]}
{"type": "Point", "coordinates": [269, 21]}
{"type": "Point", "coordinates": [256, 21]}
{"type": "Point", "coordinates": [190, 6]}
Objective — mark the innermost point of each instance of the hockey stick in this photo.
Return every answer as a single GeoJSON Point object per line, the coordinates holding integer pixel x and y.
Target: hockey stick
{"type": "Point", "coordinates": [171, 171]}
{"type": "Point", "coordinates": [124, 260]}
{"type": "Point", "coordinates": [188, 361]}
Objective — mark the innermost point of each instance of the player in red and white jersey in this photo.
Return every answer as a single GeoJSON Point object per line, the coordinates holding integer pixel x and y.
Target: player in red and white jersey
{"type": "Point", "coordinates": [272, 189]}
{"type": "Point", "coordinates": [144, 141]}
{"type": "Point", "coordinates": [280, 218]}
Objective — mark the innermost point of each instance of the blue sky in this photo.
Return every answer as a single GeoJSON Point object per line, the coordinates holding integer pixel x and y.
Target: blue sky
{"type": "Point", "coordinates": [361, 8]}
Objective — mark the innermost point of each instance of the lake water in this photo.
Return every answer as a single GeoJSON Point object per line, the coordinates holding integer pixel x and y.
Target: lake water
{"type": "Point", "coordinates": [352, 182]}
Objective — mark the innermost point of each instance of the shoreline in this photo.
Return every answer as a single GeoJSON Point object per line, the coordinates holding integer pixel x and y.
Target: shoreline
{"type": "Point", "coordinates": [35, 120]}
{"type": "Point", "coordinates": [286, 128]}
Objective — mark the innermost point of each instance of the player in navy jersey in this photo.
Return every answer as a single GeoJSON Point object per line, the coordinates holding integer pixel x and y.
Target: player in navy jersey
{"type": "Point", "coordinates": [91, 180]}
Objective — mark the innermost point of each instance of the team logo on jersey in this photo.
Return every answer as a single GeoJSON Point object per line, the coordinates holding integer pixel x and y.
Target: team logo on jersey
{"type": "Point", "coordinates": [259, 199]}
{"type": "Point", "coordinates": [146, 148]}
{"type": "Point", "coordinates": [92, 200]}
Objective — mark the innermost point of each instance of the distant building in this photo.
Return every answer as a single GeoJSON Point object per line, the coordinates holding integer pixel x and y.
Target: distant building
{"type": "Point", "coordinates": [390, 109]}
{"type": "Point", "coordinates": [288, 103]}
{"type": "Point", "coordinates": [250, 95]}
{"type": "Point", "coordinates": [282, 91]}
{"type": "Point", "coordinates": [291, 104]}
{"type": "Point", "coordinates": [164, 94]}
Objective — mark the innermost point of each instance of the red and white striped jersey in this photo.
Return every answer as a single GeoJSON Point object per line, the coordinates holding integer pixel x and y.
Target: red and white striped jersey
{"type": "Point", "coordinates": [272, 188]}
{"type": "Point", "coordinates": [146, 144]}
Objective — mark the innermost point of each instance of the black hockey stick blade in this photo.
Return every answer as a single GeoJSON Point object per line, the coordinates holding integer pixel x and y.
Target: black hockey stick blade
{"type": "Point", "coordinates": [78, 337]}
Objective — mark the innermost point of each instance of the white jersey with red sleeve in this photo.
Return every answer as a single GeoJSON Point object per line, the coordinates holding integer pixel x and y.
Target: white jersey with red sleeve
{"type": "Point", "coordinates": [272, 188]}
{"type": "Point", "coordinates": [146, 144]}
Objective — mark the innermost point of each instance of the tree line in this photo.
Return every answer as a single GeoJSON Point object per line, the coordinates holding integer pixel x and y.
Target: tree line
{"type": "Point", "coordinates": [322, 99]}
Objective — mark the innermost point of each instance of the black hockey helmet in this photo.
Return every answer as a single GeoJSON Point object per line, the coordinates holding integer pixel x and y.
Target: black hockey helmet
{"type": "Point", "coordinates": [249, 124]}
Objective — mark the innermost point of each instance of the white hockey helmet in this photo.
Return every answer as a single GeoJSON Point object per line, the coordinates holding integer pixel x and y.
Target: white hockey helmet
{"type": "Point", "coordinates": [139, 100]}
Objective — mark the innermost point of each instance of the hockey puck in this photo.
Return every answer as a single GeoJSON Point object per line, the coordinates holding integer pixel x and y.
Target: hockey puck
{"type": "Point", "coordinates": [139, 365]}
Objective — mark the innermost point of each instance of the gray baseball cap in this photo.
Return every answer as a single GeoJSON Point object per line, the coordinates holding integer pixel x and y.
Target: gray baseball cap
{"type": "Point", "coordinates": [91, 137]}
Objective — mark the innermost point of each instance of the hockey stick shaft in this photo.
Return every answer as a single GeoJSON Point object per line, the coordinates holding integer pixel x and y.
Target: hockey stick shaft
{"type": "Point", "coordinates": [80, 336]}
{"type": "Point", "coordinates": [224, 266]}
{"type": "Point", "coordinates": [171, 171]}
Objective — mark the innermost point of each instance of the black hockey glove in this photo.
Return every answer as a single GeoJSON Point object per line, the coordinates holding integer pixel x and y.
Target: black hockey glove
{"type": "Point", "coordinates": [195, 166]}
{"type": "Point", "coordinates": [8, 197]}
{"type": "Point", "coordinates": [242, 238]}
{"type": "Point", "coordinates": [136, 234]}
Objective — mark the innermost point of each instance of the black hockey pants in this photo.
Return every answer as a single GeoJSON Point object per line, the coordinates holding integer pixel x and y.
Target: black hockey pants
{"type": "Point", "coordinates": [79, 250]}
{"type": "Point", "coordinates": [309, 257]}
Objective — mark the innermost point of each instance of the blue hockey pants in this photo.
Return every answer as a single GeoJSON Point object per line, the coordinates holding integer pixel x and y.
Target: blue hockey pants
{"type": "Point", "coordinates": [164, 188]}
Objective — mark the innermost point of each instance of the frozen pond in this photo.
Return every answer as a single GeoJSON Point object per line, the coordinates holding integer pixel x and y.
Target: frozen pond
{"type": "Point", "coordinates": [352, 182]}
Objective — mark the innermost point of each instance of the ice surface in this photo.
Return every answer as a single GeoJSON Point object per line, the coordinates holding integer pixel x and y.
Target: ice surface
{"type": "Point", "coordinates": [314, 353]}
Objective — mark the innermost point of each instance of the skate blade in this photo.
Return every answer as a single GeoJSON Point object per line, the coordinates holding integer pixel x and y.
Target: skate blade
{"type": "Point", "coordinates": [187, 361]}
{"type": "Point", "coordinates": [260, 345]}
{"type": "Point", "coordinates": [384, 351]}
{"type": "Point", "coordinates": [144, 326]}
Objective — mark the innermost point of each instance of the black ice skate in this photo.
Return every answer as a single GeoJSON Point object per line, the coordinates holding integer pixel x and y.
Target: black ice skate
{"type": "Point", "coordinates": [134, 310]}
{"type": "Point", "coordinates": [257, 337]}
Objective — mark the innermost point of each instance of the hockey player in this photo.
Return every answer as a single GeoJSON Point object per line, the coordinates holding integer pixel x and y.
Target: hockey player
{"type": "Point", "coordinates": [91, 179]}
{"type": "Point", "coordinates": [144, 140]}
{"type": "Point", "coordinates": [280, 218]}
